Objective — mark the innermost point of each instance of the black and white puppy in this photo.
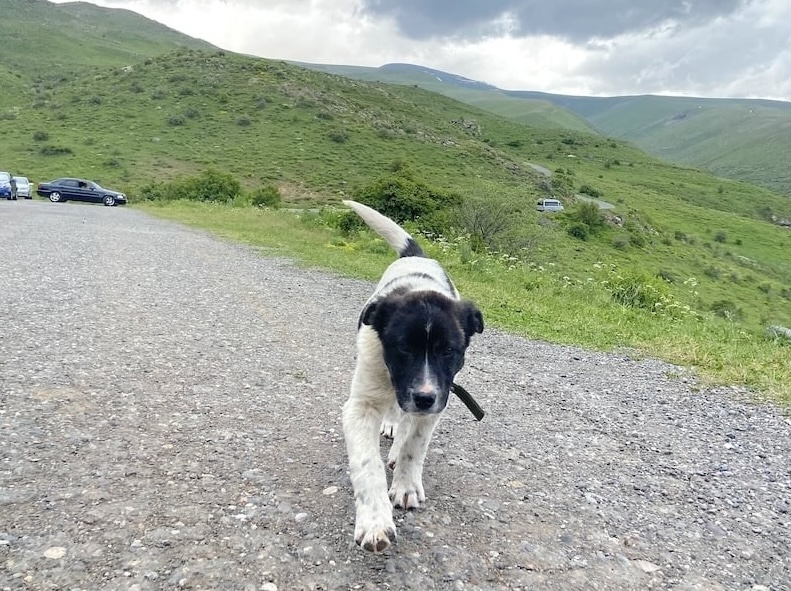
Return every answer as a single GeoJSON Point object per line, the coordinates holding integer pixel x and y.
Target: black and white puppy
{"type": "Point", "coordinates": [412, 335]}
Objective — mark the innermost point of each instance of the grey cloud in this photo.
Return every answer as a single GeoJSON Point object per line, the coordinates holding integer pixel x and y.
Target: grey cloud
{"type": "Point", "coordinates": [575, 20]}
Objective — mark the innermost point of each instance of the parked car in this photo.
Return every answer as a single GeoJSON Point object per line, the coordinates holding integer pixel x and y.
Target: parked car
{"type": "Point", "coordinates": [70, 189]}
{"type": "Point", "coordinates": [7, 186]}
{"type": "Point", "coordinates": [23, 187]}
{"type": "Point", "coordinates": [549, 205]}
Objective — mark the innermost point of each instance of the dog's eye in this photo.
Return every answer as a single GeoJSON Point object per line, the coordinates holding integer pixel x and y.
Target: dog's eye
{"type": "Point", "coordinates": [448, 352]}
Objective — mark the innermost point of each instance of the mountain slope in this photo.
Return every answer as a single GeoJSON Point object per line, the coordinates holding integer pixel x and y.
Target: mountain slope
{"type": "Point", "coordinates": [535, 112]}
{"type": "Point", "coordinates": [43, 38]}
{"type": "Point", "coordinates": [747, 139]}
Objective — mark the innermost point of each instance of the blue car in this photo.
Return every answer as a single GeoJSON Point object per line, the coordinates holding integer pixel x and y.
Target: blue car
{"type": "Point", "coordinates": [7, 186]}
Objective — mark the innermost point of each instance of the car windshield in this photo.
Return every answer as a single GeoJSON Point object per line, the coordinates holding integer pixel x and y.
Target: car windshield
{"type": "Point", "coordinates": [20, 180]}
{"type": "Point", "coordinates": [4, 176]}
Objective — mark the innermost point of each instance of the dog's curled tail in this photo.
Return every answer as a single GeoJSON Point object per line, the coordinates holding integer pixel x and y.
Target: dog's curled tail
{"type": "Point", "coordinates": [393, 234]}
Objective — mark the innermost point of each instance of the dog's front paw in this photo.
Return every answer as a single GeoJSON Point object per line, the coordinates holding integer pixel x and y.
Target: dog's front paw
{"type": "Point", "coordinates": [388, 429]}
{"type": "Point", "coordinates": [406, 493]}
{"type": "Point", "coordinates": [373, 531]}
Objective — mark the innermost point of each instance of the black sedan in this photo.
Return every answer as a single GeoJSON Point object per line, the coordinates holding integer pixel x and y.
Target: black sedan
{"type": "Point", "coordinates": [68, 189]}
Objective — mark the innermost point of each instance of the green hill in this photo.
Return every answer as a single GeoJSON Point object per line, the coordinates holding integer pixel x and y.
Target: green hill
{"type": "Point", "coordinates": [319, 137]}
{"type": "Point", "coordinates": [747, 139]}
{"type": "Point", "coordinates": [534, 112]}
{"type": "Point", "coordinates": [43, 38]}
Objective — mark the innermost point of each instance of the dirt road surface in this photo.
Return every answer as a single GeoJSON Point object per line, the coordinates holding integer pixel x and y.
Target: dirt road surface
{"type": "Point", "coordinates": [170, 419]}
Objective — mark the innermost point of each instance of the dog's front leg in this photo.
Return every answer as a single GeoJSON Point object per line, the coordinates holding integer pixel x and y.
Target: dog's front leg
{"type": "Point", "coordinates": [373, 528]}
{"type": "Point", "coordinates": [412, 439]}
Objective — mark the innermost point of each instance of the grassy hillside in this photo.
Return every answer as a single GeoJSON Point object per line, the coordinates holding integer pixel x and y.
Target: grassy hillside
{"type": "Point", "coordinates": [45, 39]}
{"type": "Point", "coordinates": [533, 112]}
{"type": "Point", "coordinates": [745, 139]}
{"type": "Point", "coordinates": [320, 136]}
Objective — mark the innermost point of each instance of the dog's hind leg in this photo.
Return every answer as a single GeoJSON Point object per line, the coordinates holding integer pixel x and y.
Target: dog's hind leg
{"type": "Point", "coordinates": [411, 445]}
{"type": "Point", "coordinates": [374, 528]}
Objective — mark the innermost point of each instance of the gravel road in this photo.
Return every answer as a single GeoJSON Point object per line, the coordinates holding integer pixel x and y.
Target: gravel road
{"type": "Point", "coordinates": [170, 419]}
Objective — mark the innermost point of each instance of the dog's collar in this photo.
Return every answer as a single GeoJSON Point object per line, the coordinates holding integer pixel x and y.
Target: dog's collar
{"type": "Point", "coordinates": [468, 401]}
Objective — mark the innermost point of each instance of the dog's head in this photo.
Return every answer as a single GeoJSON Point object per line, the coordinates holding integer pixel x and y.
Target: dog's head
{"type": "Point", "coordinates": [424, 336]}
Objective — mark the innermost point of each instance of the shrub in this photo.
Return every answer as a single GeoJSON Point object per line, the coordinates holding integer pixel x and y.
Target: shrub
{"type": "Point", "coordinates": [211, 185]}
{"type": "Point", "coordinates": [588, 190]}
{"type": "Point", "coordinates": [713, 272]}
{"type": "Point", "coordinates": [403, 197]}
{"type": "Point", "coordinates": [175, 120]}
{"type": "Point", "coordinates": [637, 239]}
{"type": "Point", "coordinates": [638, 291]}
{"type": "Point", "coordinates": [54, 151]}
{"type": "Point", "coordinates": [491, 220]}
{"type": "Point", "coordinates": [267, 196]}
{"type": "Point", "coordinates": [40, 136]}
{"type": "Point", "coordinates": [588, 213]}
{"type": "Point", "coordinates": [349, 223]}
{"type": "Point", "coordinates": [620, 243]}
{"type": "Point", "coordinates": [339, 136]}
{"type": "Point", "coordinates": [579, 230]}
{"type": "Point", "coordinates": [191, 113]}
{"type": "Point", "coordinates": [727, 309]}
{"type": "Point", "coordinates": [243, 121]}
{"type": "Point", "coordinates": [721, 236]}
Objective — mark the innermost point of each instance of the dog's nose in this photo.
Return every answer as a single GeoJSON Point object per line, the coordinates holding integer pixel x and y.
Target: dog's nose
{"type": "Point", "coordinates": [424, 400]}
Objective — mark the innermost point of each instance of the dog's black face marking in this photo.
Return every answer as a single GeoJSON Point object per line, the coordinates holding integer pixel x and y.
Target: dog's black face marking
{"type": "Point", "coordinates": [424, 336]}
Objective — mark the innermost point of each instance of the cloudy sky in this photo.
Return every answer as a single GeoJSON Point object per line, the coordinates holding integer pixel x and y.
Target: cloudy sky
{"type": "Point", "coordinates": [718, 48]}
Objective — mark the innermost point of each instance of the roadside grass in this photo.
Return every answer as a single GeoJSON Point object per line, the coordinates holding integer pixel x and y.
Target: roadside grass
{"type": "Point", "coordinates": [536, 301]}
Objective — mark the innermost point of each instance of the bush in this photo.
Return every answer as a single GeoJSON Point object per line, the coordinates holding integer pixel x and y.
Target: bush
{"type": "Point", "coordinates": [588, 190]}
{"type": "Point", "coordinates": [243, 121]}
{"type": "Point", "coordinates": [175, 120]}
{"type": "Point", "coordinates": [638, 291]}
{"type": "Point", "coordinates": [40, 136]}
{"type": "Point", "coordinates": [211, 185]}
{"type": "Point", "coordinates": [727, 309]}
{"type": "Point", "coordinates": [402, 197]}
{"type": "Point", "coordinates": [268, 196]}
{"type": "Point", "coordinates": [579, 230]}
{"type": "Point", "coordinates": [492, 220]}
{"type": "Point", "coordinates": [721, 236]}
{"type": "Point", "coordinates": [620, 243]}
{"type": "Point", "coordinates": [339, 136]}
{"type": "Point", "coordinates": [349, 223]}
{"type": "Point", "coordinates": [54, 151]}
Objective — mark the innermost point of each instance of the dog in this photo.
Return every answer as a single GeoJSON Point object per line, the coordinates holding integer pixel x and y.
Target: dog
{"type": "Point", "coordinates": [412, 335]}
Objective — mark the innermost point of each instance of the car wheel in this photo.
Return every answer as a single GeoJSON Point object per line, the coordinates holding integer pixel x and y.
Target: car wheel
{"type": "Point", "coordinates": [54, 197]}
{"type": "Point", "coordinates": [29, 197]}
{"type": "Point", "coordinates": [109, 200]}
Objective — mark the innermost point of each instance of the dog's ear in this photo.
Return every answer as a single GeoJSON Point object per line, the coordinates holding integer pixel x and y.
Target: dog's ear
{"type": "Point", "coordinates": [470, 318]}
{"type": "Point", "coordinates": [377, 313]}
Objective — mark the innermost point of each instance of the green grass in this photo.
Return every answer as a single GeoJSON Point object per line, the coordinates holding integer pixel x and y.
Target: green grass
{"type": "Point", "coordinates": [533, 300]}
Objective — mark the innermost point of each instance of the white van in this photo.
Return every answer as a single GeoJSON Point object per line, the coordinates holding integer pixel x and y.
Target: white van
{"type": "Point", "coordinates": [549, 205]}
